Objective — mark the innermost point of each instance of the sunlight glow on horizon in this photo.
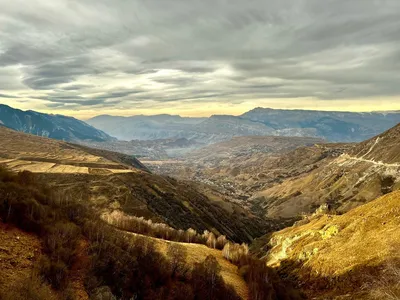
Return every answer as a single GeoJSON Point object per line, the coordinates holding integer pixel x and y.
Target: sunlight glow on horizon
{"type": "Point", "coordinates": [215, 108]}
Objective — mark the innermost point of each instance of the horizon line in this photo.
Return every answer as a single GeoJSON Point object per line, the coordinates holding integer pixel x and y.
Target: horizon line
{"type": "Point", "coordinates": [44, 111]}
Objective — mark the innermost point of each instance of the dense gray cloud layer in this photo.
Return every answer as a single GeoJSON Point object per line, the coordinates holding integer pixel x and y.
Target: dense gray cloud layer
{"type": "Point", "coordinates": [115, 53]}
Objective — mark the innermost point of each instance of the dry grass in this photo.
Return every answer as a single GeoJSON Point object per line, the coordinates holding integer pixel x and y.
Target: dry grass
{"type": "Point", "coordinates": [44, 167]}
{"type": "Point", "coordinates": [339, 246]}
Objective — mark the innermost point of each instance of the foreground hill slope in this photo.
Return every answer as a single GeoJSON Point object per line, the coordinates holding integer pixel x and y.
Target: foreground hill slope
{"type": "Point", "coordinates": [53, 126]}
{"type": "Point", "coordinates": [337, 255]}
{"type": "Point", "coordinates": [362, 173]}
{"type": "Point", "coordinates": [20, 250]}
{"type": "Point", "coordinates": [55, 248]}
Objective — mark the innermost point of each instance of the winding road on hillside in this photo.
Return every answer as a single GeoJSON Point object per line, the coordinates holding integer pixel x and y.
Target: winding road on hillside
{"type": "Point", "coordinates": [380, 163]}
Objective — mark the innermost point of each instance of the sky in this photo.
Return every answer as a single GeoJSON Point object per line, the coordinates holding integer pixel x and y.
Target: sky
{"type": "Point", "coordinates": [197, 58]}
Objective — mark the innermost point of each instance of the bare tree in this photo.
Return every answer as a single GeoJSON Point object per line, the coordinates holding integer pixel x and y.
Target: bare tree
{"type": "Point", "coordinates": [177, 257]}
{"type": "Point", "coordinates": [221, 241]}
{"type": "Point", "coordinates": [212, 271]}
{"type": "Point", "coordinates": [211, 240]}
{"type": "Point", "coordinates": [190, 235]}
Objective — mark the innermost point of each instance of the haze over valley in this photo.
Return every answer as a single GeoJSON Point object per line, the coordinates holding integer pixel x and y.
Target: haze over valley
{"type": "Point", "coordinates": [199, 150]}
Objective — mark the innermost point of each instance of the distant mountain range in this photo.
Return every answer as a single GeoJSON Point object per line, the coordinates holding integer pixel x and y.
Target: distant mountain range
{"type": "Point", "coordinates": [52, 126]}
{"type": "Point", "coordinates": [332, 126]}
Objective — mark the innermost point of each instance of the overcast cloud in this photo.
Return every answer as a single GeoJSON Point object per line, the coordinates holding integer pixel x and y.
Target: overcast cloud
{"type": "Point", "coordinates": [108, 55]}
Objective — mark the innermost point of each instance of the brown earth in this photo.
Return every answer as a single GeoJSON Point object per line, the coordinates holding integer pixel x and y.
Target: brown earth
{"type": "Point", "coordinates": [79, 270]}
{"type": "Point", "coordinates": [18, 252]}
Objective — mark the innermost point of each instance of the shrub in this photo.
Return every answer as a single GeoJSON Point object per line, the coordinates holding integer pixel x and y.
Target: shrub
{"type": "Point", "coordinates": [54, 272]}
{"type": "Point", "coordinates": [24, 203]}
{"type": "Point", "coordinates": [263, 282]}
{"type": "Point", "coordinates": [31, 288]}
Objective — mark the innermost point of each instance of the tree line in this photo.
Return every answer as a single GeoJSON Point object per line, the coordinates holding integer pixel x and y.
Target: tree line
{"type": "Point", "coordinates": [143, 226]}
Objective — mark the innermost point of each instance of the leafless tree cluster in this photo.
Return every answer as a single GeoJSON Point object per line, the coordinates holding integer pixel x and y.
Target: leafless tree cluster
{"type": "Point", "coordinates": [160, 230]}
{"type": "Point", "coordinates": [235, 252]}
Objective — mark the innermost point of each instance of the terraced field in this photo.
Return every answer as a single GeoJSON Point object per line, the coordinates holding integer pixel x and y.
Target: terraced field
{"type": "Point", "coordinates": [21, 151]}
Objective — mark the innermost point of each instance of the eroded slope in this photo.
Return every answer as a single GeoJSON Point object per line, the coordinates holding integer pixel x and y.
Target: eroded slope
{"type": "Point", "coordinates": [338, 255]}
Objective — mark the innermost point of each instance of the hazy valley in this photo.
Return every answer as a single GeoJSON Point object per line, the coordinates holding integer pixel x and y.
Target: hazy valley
{"type": "Point", "coordinates": [296, 201]}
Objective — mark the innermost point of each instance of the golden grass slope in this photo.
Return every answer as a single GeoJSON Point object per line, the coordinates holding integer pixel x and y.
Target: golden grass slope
{"type": "Point", "coordinates": [340, 251]}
